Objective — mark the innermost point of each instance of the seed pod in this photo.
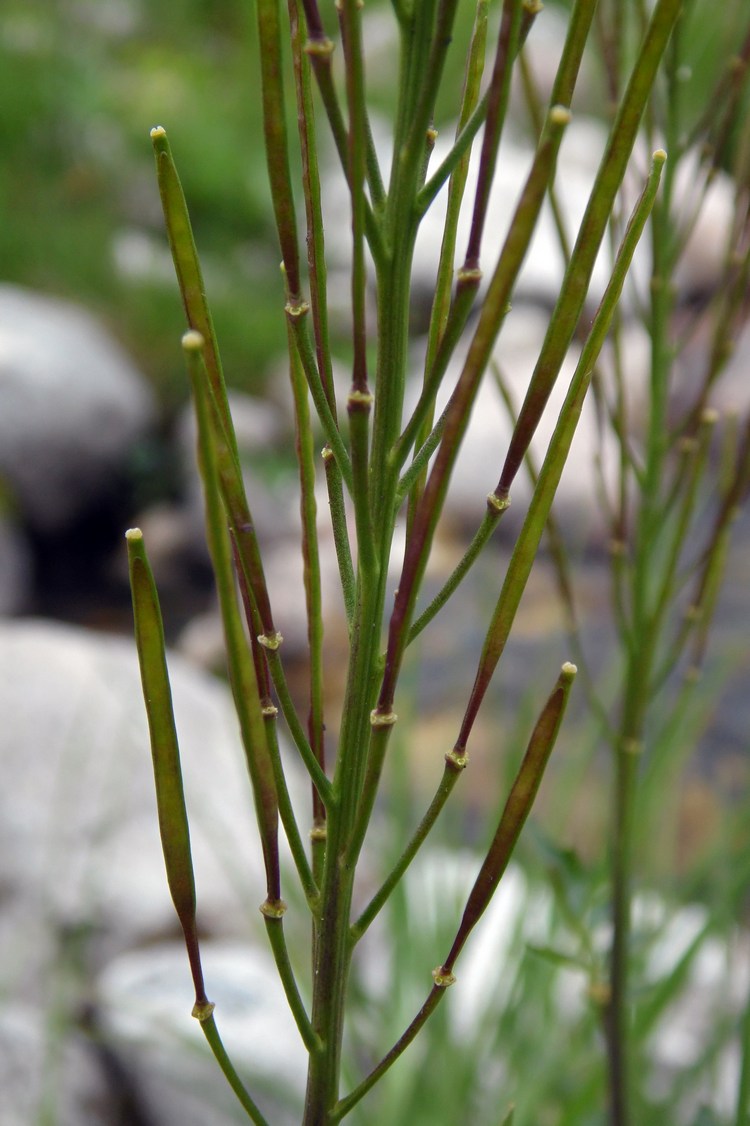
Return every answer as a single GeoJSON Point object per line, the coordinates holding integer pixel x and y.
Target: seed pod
{"type": "Point", "coordinates": [165, 752]}
{"type": "Point", "coordinates": [517, 807]}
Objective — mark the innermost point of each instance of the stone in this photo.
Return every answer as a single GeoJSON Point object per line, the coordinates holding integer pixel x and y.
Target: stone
{"type": "Point", "coordinates": [79, 842]}
{"type": "Point", "coordinates": [15, 567]}
{"type": "Point", "coordinates": [84, 899]}
{"type": "Point", "coordinates": [46, 1078]}
{"type": "Point", "coordinates": [143, 1003]}
{"type": "Point", "coordinates": [72, 406]}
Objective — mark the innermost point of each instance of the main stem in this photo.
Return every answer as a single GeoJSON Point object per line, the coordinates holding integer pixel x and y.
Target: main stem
{"type": "Point", "coordinates": [334, 946]}
{"type": "Point", "coordinates": [618, 1008]}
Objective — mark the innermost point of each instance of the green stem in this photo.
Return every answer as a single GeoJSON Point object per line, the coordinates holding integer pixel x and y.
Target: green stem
{"type": "Point", "coordinates": [276, 141]}
{"type": "Point", "coordinates": [340, 534]}
{"type": "Point", "coordinates": [360, 399]}
{"type": "Point", "coordinates": [189, 274]}
{"type": "Point", "coordinates": [317, 268]}
{"type": "Point", "coordinates": [495, 509]}
{"type": "Point", "coordinates": [459, 408]}
{"type": "Point", "coordinates": [515, 813]}
{"type": "Point", "coordinates": [297, 319]}
{"type": "Point", "coordinates": [497, 105]}
{"type": "Point", "coordinates": [211, 1032]}
{"type": "Point", "coordinates": [296, 730]}
{"type": "Point", "coordinates": [273, 918]}
{"type": "Point", "coordinates": [454, 766]}
{"type": "Point", "coordinates": [440, 315]}
{"type": "Point", "coordinates": [644, 629]}
{"type": "Point", "coordinates": [165, 752]}
{"type": "Point", "coordinates": [527, 544]}
{"type": "Point", "coordinates": [599, 208]}
{"type": "Point", "coordinates": [433, 1000]}
{"type": "Point", "coordinates": [334, 945]}
{"type": "Point", "coordinates": [311, 571]}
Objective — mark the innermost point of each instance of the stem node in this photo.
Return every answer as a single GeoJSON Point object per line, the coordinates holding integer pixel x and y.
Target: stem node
{"type": "Point", "coordinates": [443, 978]}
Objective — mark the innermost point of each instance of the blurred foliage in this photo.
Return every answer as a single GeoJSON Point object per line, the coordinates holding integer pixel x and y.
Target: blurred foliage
{"type": "Point", "coordinates": [82, 82]}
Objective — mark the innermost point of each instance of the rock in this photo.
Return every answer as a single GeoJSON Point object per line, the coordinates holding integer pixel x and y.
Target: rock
{"type": "Point", "coordinates": [79, 843]}
{"type": "Point", "coordinates": [143, 1002]}
{"type": "Point", "coordinates": [15, 568]}
{"type": "Point", "coordinates": [44, 1078]}
{"type": "Point", "coordinates": [82, 878]}
{"type": "Point", "coordinates": [71, 407]}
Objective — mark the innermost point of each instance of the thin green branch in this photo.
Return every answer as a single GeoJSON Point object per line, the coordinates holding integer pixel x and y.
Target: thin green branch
{"type": "Point", "coordinates": [457, 413]}
{"type": "Point", "coordinates": [297, 319]}
{"type": "Point", "coordinates": [360, 400]}
{"type": "Point", "coordinates": [440, 314]}
{"type": "Point", "coordinates": [515, 812]}
{"type": "Point", "coordinates": [340, 530]}
{"type": "Point", "coordinates": [189, 275]}
{"type": "Point", "coordinates": [273, 918]}
{"type": "Point", "coordinates": [345, 1105]}
{"type": "Point", "coordinates": [495, 509]}
{"type": "Point", "coordinates": [242, 671]}
{"type": "Point", "coordinates": [311, 569]}
{"type": "Point", "coordinates": [497, 106]}
{"type": "Point", "coordinates": [513, 818]}
{"type": "Point", "coordinates": [454, 767]}
{"type": "Point", "coordinates": [211, 1032]}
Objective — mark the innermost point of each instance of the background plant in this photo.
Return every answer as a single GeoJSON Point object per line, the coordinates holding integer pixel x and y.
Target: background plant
{"type": "Point", "coordinates": [653, 513]}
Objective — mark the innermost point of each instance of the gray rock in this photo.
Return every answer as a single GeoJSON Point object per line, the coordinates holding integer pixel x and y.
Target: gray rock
{"type": "Point", "coordinates": [71, 407]}
{"type": "Point", "coordinates": [15, 568]}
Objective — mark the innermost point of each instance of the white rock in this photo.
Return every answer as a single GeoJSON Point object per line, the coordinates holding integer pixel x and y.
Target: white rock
{"type": "Point", "coordinates": [71, 407]}
{"type": "Point", "coordinates": [144, 1000]}
{"type": "Point", "coordinates": [79, 843]}
{"type": "Point", "coordinates": [39, 1071]}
